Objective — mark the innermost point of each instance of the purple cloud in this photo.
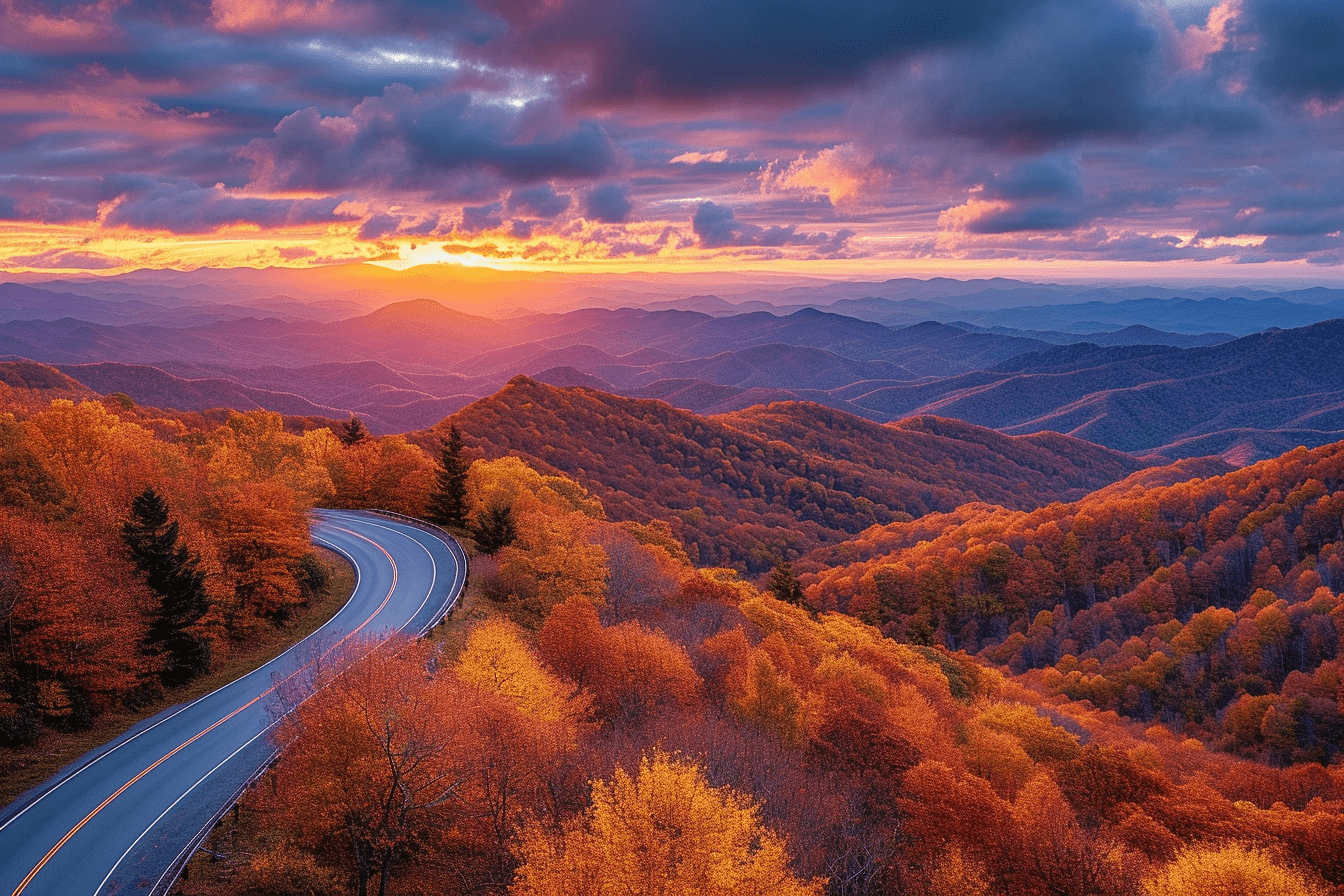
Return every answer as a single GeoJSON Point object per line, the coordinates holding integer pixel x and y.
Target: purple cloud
{"type": "Point", "coordinates": [67, 259]}
{"type": "Point", "coordinates": [482, 217]}
{"type": "Point", "coordinates": [409, 140]}
{"type": "Point", "coordinates": [541, 200]}
{"type": "Point", "coordinates": [608, 204]}
{"type": "Point", "coordinates": [717, 227]}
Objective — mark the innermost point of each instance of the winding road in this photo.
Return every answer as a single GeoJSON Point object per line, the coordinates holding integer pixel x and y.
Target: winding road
{"type": "Point", "coordinates": [124, 817]}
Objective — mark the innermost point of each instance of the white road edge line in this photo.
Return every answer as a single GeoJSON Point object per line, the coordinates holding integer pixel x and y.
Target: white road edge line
{"type": "Point", "coordinates": [192, 846]}
{"type": "Point", "coordinates": [186, 706]}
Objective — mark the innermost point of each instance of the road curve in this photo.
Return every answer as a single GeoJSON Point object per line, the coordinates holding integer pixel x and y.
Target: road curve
{"type": "Point", "coordinates": [122, 818]}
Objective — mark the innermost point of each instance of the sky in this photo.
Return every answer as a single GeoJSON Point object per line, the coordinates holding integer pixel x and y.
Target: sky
{"type": "Point", "coordinates": [1079, 137]}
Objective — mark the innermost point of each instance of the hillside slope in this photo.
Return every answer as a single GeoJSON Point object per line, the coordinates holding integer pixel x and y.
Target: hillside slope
{"type": "Point", "coordinates": [1188, 595]}
{"type": "Point", "coordinates": [748, 488]}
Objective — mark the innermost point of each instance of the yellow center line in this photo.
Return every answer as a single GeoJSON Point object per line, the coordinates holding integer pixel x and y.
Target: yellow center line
{"type": "Point", "coordinates": [182, 746]}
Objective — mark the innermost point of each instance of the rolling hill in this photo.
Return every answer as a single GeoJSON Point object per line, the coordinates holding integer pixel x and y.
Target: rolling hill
{"type": "Point", "coordinates": [765, 483]}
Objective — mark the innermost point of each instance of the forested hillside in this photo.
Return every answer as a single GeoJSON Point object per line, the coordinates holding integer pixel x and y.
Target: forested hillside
{"type": "Point", "coordinates": [1210, 604]}
{"type": "Point", "coordinates": [1131, 637]}
{"type": "Point", "coordinates": [641, 720]}
{"type": "Point", "coordinates": [767, 484]}
{"type": "Point", "coordinates": [140, 547]}
{"type": "Point", "coordinates": [1254, 397]}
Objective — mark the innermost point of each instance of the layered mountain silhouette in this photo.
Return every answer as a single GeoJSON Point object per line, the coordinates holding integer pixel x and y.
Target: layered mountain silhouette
{"type": "Point", "coordinates": [1247, 398]}
{"type": "Point", "coordinates": [1005, 365]}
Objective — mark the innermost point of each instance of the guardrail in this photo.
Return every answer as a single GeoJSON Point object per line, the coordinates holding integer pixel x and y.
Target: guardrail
{"type": "Point", "coordinates": [454, 546]}
{"type": "Point", "coordinates": [164, 885]}
{"type": "Point", "coordinates": [169, 878]}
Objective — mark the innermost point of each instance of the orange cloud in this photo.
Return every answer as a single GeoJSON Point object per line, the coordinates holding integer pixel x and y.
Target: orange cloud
{"type": "Point", "coordinates": [843, 173]}
{"type": "Point", "coordinates": [271, 15]}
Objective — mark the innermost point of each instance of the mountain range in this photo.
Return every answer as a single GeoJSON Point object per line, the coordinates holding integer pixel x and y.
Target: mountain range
{"type": "Point", "coordinates": [1091, 362]}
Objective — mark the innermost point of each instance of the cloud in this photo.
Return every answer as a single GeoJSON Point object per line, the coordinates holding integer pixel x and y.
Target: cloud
{"type": "Point", "coordinates": [181, 206]}
{"type": "Point", "coordinates": [1299, 46]}
{"type": "Point", "coordinates": [67, 259]}
{"type": "Point", "coordinates": [379, 226]}
{"type": "Point", "coordinates": [1039, 194]}
{"type": "Point", "coordinates": [1047, 128]}
{"type": "Point", "coordinates": [608, 204]}
{"type": "Point", "coordinates": [541, 200]}
{"type": "Point", "coordinates": [476, 218]}
{"type": "Point", "coordinates": [699, 158]}
{"type": "Point", "coordinates": [842, 173]}
{"type": "Point", "coordinates": [717, 227]}
{"type": "Point", "coordinates": [406, 139]}
{"type": "Point", "coordinates": [698, 49]}
{"type": "Point", "coordinates": [1068, 69]}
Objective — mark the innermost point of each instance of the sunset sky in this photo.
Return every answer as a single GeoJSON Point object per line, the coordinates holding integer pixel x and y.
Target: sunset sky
{"type": "Point", "coordinates": [1083, 137]}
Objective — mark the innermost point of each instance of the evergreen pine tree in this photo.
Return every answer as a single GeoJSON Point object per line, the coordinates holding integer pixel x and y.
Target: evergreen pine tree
{"type": "Point", "coordinates": [784, 584]}
{"type": "Point", "coordinates": [352, 431]}
{"type": "Point", "coordinates": [448, 500]}
{"type": "Point", "coordinates": [171, 572]}
{"type": "Point", "coordinates": [495, 529]}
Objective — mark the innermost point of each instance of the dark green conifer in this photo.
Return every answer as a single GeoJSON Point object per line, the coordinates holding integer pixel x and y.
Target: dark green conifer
{"type": "Point", "coordinates": [784, 584]}
{"type": "Point", "coordinates": [448, 500]}
{"type": "Point", "coordinates": [352, 431]}
{"type": "Point", "coordinates": [171, 572]}
{"type": "Point", "coordinates": [494, 529]}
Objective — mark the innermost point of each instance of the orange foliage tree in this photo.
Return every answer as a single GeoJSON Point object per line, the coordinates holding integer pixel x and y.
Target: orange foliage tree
{"type": "Point", "coordinates": [374, 770]}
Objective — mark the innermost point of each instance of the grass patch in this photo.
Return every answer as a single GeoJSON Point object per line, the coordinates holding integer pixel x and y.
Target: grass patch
{"type": "Point", "coordinates": [27, 767]}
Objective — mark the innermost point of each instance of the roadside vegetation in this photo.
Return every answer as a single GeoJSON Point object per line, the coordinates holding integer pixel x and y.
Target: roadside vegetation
{"type": "Point", "coordinates": [606, 715]}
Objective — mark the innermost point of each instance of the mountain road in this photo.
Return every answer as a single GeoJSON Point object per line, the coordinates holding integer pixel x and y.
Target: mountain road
{"type": "Point", "coordinates": [125, 817]}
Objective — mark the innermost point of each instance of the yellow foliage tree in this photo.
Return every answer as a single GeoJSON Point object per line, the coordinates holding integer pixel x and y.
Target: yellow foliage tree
{"type": "Point", "coordinates": [1228, 870]}
{"type": "Point", "coordinates": [957, 875]}
{"type": "Point", "coordinates": [1043, 740]}
{"type": "Point", "coordinates": [99, 460]}
{"type": "Point", "coordinates": [254, 447]}
{"type": "Point", "coordinates": [663, 832]}
{"type": "Point", "coordinates": [511, 482]}
{"type": "Point", "coordinates": [550, 561]}
{"type": "Point", "coordinates": [766, 697]}
{"type": "Point", "coordinates": [496, 660]}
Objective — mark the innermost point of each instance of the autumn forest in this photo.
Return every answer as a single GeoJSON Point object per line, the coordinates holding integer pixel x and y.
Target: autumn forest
{"type": "Point", "coordinates": [778, 650]}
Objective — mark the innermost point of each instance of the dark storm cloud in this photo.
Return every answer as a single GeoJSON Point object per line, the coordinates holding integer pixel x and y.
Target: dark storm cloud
{"type": "Point", "coordinates": [1307, 207]}
{"type": "Point", "coordinates": [1040, 194]}
{"type": "Point", "coordinates": [405, 139]}
{"type": "Point", "coordinates": [1299, 46]}
{"type": "Point", "coordinates": [541, 200]}
{"type": "Point", "coordinates": [1045, 178]}
{"type": "Point", "coordinates": [180, 206]}
{"type": "Point", "coordinates": [608, 204]}
{"type": "Point", "coordinates": [695, 49]}
{"type": "Point", "coordinates": [379, 226]}
{"type": "Point", "coordinates": [1068, 69]}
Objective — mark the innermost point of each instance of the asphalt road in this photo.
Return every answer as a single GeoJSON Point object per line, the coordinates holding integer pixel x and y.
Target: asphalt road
{"type": "Point", "coordinates": [123, 817]}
